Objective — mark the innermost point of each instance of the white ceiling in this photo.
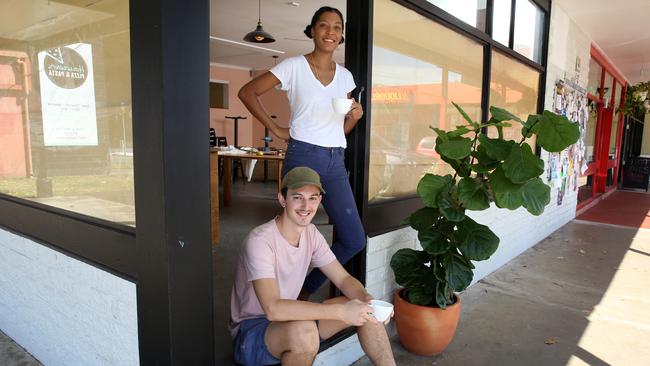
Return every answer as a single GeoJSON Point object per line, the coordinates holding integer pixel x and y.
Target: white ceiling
{"type": "Point", "coordinates": [619, 28]}
{"type": "Point", "coordinates": [232, 19]}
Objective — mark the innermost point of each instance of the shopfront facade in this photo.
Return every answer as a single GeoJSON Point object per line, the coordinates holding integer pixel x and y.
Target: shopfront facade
{"type": "Point", "coordinates": [125, 277]}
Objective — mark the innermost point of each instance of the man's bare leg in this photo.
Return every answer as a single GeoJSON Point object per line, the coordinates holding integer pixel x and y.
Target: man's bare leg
{"type": "Point", "coordinates": [293, 342]}
{"type": "Point", "coordinates": [375, 343]}
{"type": "Point", "coordinates": [372, 336]}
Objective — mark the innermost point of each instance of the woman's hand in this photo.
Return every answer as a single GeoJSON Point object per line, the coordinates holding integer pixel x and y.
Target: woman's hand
{"type": "Point", "coordinates": [356, 112]}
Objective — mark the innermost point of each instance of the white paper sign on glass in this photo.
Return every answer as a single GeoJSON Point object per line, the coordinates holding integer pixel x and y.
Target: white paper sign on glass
{"type": "Point", "coordinates": [68, 96]}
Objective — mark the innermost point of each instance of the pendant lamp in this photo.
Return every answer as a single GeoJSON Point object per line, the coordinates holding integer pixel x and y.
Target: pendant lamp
{"type": "Point", "coordinates": [259, 35]}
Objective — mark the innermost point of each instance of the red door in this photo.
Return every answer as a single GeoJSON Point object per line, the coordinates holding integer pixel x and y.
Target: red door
{"type": "Point", "coordinates": [602, 156]}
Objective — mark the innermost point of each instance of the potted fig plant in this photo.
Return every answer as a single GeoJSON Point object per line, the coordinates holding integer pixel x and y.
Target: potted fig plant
{"type": "Point", "coordinates": [486, 170]}
{"type": "Point", "coordinates": [636, 100]}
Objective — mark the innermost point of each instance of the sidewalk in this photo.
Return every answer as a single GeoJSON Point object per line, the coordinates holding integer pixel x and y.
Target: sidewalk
{"type": "Point", "coordinates": [579, 297]}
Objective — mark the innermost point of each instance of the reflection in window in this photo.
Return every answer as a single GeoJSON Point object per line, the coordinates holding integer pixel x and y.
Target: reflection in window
{"type": "Point", "coordinates": [590, 132]}
{"type": "Point", "coordinates": [514, 87]}
{"type": "Point", "coordinates": [617, 96]}
{"type": "Point", "coordinates": [613, 136]}
{"type": "Point", "coordinates": [607, 89]}
{"type": "Point", "coordinates": [595, 74]}
{"type": "Point", "coordinates": [501, 21]}
{"type": "Point", "coordinates": [471, 12]}
{"type": "Point", "coordinates": [529, 30]}
{"type": "Point", "coordinates": [65, 107]}
{"type": "Point", "coordinates": [419, 68]}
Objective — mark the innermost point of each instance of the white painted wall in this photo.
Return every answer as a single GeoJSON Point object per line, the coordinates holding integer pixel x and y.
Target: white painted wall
{"type": "Point", "coordinates": [64, 311]}
{"type": "Point", "coordinates": [518, 230]}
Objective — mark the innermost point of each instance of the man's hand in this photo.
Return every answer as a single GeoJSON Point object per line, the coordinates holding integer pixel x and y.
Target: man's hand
{"type": "Point", "coordinates": [357, 313]}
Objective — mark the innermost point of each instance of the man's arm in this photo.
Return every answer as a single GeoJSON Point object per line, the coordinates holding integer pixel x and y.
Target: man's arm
{"type": "Point", "coordinates": [349, 286]}
{"type": "Point", "coordinates": [353, 312]}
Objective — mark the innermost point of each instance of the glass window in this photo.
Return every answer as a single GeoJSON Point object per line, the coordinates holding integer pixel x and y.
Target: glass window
{"type": "Point", "coordinates": [617, 97]}
{"type": "Point", "coordinates": [471, 12]}
{"type": "Point", "coordinates": [595, 74]}
{"type": "Point", "coordinates": [515, 87]}
{"type": "Point", "coordinates": [529, 30]}
{"type": "Point", "coordinates": [419, 68]}
{"type": "Point", "coordinates": [613, 136]}
{"type": "Point", "coordinates": [65, 106]}
{"type": "Point", "coordinates": [501, 21]}
{"type": "Point", "coordinates": [607, 89]}
{"type": "Point", "coordinates": [590, 132]}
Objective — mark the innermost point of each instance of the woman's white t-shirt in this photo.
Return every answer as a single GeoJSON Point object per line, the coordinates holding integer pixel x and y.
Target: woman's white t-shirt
{"type": "Point", "coordinates": [313, 119]}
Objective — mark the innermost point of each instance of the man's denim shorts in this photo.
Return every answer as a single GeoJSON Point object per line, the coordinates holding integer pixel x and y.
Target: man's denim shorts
{"type": "Point", "coordinates": [250, 348]}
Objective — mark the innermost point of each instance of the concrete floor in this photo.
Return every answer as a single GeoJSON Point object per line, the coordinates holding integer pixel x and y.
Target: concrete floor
{"type": "Point", "coordinates": [579, 297]}
{"type": "Point", "coordinates": [11, 354]}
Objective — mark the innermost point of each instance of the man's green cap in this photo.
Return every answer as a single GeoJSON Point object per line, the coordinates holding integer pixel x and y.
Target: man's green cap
{"type": "Point", "coordinates": [301, 176]}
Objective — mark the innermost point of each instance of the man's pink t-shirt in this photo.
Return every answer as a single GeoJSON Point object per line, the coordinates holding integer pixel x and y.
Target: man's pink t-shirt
{"type": "Point", "coordinates": [267, 254]}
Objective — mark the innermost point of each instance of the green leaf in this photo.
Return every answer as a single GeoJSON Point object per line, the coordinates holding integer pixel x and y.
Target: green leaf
{"type": "Point", "coordinates": [442, 295]}
{"type": "Point", "coordinates": [423, 218]}
{"type": "Point", "coordinates": [431, 186]}
{"type": "Point", "coordinates": [531, 126]}
{"type": "Point", "coordinates": [477, 242]}
{"type": "Point", "coordinates": [465, 115]}
{"type": "Point", "coordinates": [496, 149]}
{"type": "Point", "coordinates": [556, 132]}
{"type": "Point", "coordinates": [522, 165]}
{"type": "Point", "coordinates": [481, 169]}
{"type": "Point", "coordinates": [472, 194]}
{"type": "Point", "coordinates": [456, 148]}
{"type": "Point", "coordinates": [536, 195]}
{"type": "Point", "coordinates": [442, 134]}
{"type": "Point", "coordinates": [459, 131]}
{"type": "Point", "coordinates": [458, 275]}
{"type": "Point", "coordinates": [506, 194]}
{"type": "Point", "coordinates": [450, 208]}
{"type": "Point", "coordinates": [501, 114]}
{"type": "Point", "coordinates": [420, 295]}
{"type": "Point", "coordinates": [483, 159]}
{"type": "Point", "coordinates": [433, 241]}
{"type": "Point", "coordinates": [410, 269]}
{"type": "Point", "coordinates": [438, 269]}
{"type": "Point", "coordinates": [461, 167]}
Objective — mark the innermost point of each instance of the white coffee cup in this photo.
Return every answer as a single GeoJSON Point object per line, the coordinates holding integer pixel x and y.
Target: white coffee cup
{"type": "Point", "coordinates": [341, 105]}
{"type": "Point", "coordinates": [381, 310]}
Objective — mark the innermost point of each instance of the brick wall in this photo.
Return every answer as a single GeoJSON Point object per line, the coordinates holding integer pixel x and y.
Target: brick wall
{"type": "Point", "coordinates": [518, 230]}
{"type": "Point", "coordinates": [64, 311]}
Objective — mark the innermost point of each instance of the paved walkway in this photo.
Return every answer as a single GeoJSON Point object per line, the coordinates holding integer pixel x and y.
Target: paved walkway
{"type": "Point", "coordinates": [622, 208]}
{"type": "Point", "coordinates": [579, 297]}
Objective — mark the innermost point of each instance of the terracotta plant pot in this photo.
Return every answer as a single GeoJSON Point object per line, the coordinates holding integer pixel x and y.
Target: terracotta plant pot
{"type": "Point", "coordinates": [425, 330]}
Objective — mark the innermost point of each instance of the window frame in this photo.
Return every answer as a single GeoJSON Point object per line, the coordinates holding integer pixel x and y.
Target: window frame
{"type": "Point", "coordinates": [168, 255]}
{"type": "Point", "coordinates": [381, 217]}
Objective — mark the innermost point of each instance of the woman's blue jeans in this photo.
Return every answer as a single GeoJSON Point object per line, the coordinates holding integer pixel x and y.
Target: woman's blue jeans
{"type": "Point", "coordinates": [338, 200]}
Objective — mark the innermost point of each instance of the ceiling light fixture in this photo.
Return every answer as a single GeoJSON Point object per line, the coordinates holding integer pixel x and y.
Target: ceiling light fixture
{"type": "Point", "coordinates": [259, 35]}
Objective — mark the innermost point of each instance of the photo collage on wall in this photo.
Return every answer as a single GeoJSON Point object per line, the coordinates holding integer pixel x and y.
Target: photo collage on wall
{"type": "Point", "coordinates": [565, 167]}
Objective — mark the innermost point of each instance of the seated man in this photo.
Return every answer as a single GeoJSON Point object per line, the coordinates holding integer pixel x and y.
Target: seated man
{"type": "Point", "coordinates": [267, 323]}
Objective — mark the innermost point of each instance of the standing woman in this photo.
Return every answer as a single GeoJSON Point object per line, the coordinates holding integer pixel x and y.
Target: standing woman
{"type": "Point", "coordinates": [316, 133]}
